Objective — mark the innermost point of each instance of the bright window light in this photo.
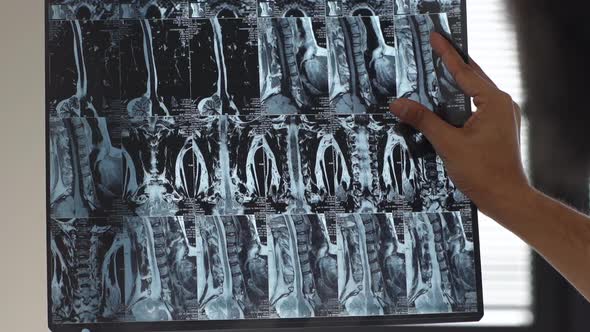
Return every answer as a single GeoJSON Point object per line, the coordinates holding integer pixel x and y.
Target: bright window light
{"type": "Point", "coordinates": [506, 260]}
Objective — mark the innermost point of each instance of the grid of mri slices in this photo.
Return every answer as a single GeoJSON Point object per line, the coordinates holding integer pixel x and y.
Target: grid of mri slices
{"type": "Point", "coordinates": [217, 160]}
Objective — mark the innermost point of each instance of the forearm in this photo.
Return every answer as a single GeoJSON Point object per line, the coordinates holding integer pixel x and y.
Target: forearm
{"type": "Point", "coordinates": [558, 233]}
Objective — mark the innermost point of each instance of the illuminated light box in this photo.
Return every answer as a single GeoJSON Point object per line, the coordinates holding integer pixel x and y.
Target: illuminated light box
{"type": "Point", "coordinates": [233, 164]}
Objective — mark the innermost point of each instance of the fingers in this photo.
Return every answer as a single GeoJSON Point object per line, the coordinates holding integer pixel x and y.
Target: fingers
{"type": "Point", "coordinates": [518, 116]}
{"type": "Point", "coordinates": [480, 72]}
{"type": "Point", "coordinates": [469, 81]}
{"type": "Point", "coordinates": [439, 133]}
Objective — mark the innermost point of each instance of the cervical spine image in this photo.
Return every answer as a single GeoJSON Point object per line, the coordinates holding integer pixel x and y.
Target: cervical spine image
{"type": "Point", "coordinates": [359, 273]}
{"type": "Point", "coordinates": [302, 266]}
{"type": "Point", "coordinates": [421, 75]}
{"type": "Point", "coordinates": [382, 62]}
{"type": "Point", "coordinates": [305, 148]}
{"type": "Point", "coordinates": [293, 67]}
{"type": "Point", "coordinates": [349, 79]}
{"type": "Point", "coordinates": [356, 138]}
{"type": "Point", "coordinates": [293, 278]}
{"type": "Point", "coordinates": [362, 65]}
{"type": "Point", "coordinates": [434, 285]}
{"type": "Point", "coordinates": [233, 282]}
{"type": "Point", "coordinates": [84, 283]}
{"type": "Point", "coordinates": [85, 172]}
{"type": "Point", "coordinates": [159, 269]}
{"type": "Point", "coordinates": [371, 264]}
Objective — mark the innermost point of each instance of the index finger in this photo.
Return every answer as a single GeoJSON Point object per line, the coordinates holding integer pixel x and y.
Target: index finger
{"type": "Point", "coordinates": [480, 72]}
{"type": "Point", "coordinates": [469, 81]}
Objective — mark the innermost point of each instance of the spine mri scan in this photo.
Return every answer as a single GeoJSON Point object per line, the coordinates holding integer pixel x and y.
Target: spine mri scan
{"type": "Point", "coordinates": [302, 267]}
{"type": "Point", "coordinates": [235, 160]}
{"type": "Point", "coordinates": [293, 66]}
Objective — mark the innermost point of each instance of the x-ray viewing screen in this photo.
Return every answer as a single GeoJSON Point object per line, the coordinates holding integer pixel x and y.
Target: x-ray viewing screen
{"type": "Point", "coordinates": [233, 164]}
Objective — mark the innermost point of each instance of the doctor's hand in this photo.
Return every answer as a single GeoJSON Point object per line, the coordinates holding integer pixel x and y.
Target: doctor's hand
{"type": "Point", "coordinates": [483, 158]}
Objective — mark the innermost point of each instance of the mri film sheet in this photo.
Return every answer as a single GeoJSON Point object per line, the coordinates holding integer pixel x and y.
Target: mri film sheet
{"type": "Point", "coordinates": [411, 176]}
{"type": "Point", "coordinates": [83, 9]}
{"type": "Point", "coordinates": [86, 270]}
{"type": "Point", "coordinates": [291, 8]}
{"type": "Point", "coordinates": [425, 6]}
{"type": "Point", "coordinates": [158, 164]}
{"type": "Point", "coordinates": [302, 266]}
{"type": "Point", "coordinates": [216, 164]}
{"type": "Point", "coordinates": [383, 8]}
{"type": "Point", "coordinates": [362, 63]}
{"type": "Point", "coordinates": [435, 190]}
{"type": "Point", "coordinates": [421, 74]}
{"type": "Point", "coordinates": [196, 166]}
{"type": "Point", "coordinates": [222, 8]}
{"type": "Point", "coordinates": [83, 69]}
{"type": "Point", "coordinates": [356, 163]}
{"type": "Point", "coordinates": [232, 268]}
{"type": "Point", "coordinates": [224, 66]}
{"type": "Point", "coordinates": [398, 164]}
{"type": "Point", "coordinates": [440, 263]}
{"type": "Point", "coordinates": [293, 65]}
{"type": "Point", "coordinates": [160, 269]}
{"type": "Point", "coordinates": [372, 265]}
{"type": "Point", "coordinates": [240, 187]}
{"type": "Point", "coordinates": [303, 147]}
{"type": "Point", "coordinates": [153, 9]}
{"type": "Point", "coordinates": [155, 75]}
{"type": "Point", "coordinates": [85, 177]}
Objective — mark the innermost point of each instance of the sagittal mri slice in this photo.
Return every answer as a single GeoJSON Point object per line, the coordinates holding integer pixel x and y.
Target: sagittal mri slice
{"type": "Point", "coordinates": [372, 265]}
{"type": "Point", "coordinates": [233, 283]}
{"type": "Point", "coordinates": [217, 160]}
{"type": "Point", "coordinates": [441, 274]}
{"type": "Point", "coordinates": [160, 269]}
{"type": "Point", "coordinates": [419, 263]}
{"type": "Point", "coordinates": [362, 63]}
{"type": "Point", "coordinates": [85, 167]}
{"type": "Point", "coordinates": [302, 267]}
{"type": "Point", "coordinates": [293, 65]}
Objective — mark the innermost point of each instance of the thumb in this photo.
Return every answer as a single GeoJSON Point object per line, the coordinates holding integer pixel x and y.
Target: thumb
{"type": "Point", "coordinates": [439, 133]}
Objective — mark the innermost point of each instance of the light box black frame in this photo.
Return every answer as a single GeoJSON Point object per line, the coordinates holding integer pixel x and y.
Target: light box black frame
{"type": "Point", "coordinates": [197, 325]}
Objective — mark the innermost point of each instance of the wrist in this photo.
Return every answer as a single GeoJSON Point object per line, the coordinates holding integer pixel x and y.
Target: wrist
{"type": "Point", "coordinates": [503, 201]}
